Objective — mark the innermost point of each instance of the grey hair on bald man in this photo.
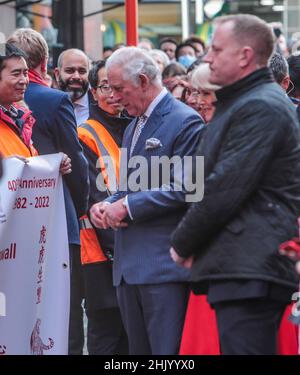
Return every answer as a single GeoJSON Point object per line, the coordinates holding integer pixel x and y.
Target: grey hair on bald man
{"type": "Point", "coordinates": [76, 51]}
{"type": "Point", "coordinates": [134, 62]}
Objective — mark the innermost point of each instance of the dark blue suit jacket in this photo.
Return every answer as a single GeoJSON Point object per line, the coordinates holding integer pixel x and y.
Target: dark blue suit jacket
{"type": "Point", "coordinates": [142, 249]}
{"type": "Point", "coordinates": [55, 131]}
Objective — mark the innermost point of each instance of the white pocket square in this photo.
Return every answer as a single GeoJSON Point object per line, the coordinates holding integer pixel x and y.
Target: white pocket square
{"type": "Point", "coordinates": [152, 143]}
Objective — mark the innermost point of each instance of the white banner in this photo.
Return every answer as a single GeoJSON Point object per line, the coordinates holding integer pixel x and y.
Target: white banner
{"type": "Point", "coordinates": [34, 258]}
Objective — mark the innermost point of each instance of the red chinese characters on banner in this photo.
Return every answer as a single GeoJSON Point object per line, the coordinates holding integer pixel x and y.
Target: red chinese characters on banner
{"type": "Point", "coordinates": [40, 276]}
{"type": "Point", "coordinates": [43, 235]}
{"type": "Point", "coordinates": [41, 260]}
{"type": "Point", "coordinates": [39, 295]}
{"type": "Point", "coordinates": [42, 255]}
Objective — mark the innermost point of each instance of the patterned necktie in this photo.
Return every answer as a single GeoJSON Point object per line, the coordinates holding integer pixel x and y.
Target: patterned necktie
{"type": "Point", "coordinates": [15, 114]}
{"type": "Point", "coordinates": [137, 132]}
{"type": "Point", "coordinates": [12, 112]}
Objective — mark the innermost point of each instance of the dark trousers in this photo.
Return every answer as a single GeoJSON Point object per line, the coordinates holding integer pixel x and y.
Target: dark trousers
{"type": "Point", "coordinates": [106, 334]}
{"type": "Point", "coordinates": [76, 333]}
{"type": "Point", "coordinates": [249, 326]}
{"type": "Point", "coordinates": [153, 316]}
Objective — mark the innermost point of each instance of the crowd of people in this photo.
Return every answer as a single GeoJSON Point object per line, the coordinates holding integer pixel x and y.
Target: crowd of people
{"type": "Point", "coordinates": [157, 274]}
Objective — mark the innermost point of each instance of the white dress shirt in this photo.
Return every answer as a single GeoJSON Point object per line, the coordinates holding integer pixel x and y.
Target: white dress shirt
{"type": "Point", "coordinates": [81, 109]}
{"type": "Point", "coordinates": [147, 113]}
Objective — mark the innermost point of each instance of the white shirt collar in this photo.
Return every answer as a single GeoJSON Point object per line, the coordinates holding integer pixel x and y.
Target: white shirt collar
{"type": "Point", "coordinates": [81, 109]}
{"type": "Point", "coordinates": [83, 101]}
{"type": "Point", "coordinates": [155, 102]}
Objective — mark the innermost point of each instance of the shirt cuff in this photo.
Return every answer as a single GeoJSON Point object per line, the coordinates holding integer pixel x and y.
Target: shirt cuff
{"type": "Point", "coordinates": [126, 204]}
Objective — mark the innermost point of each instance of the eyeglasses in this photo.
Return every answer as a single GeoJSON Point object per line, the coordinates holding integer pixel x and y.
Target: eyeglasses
{"type": "Point", "coordinates": [194, 93]}
{"type": "Point", "coordinates": [105, 89]}
{"type": "Point", "coordinates": [292, 86]}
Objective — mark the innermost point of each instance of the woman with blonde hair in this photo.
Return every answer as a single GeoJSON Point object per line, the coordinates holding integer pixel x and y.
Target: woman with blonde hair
{"type": "Point", "coordinates": [201, 94]}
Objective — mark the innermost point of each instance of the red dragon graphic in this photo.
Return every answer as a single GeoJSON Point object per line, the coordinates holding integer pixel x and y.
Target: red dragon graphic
{"type": "Point", "coordinates": [37, 346]}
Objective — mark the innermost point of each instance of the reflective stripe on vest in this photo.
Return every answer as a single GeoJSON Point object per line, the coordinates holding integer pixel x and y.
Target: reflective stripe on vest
{"type": "Point", "coordinates": [91, 251]}
{"type": "Point", "coordinates": [85, 223]}
{"type": "Point", "coordinates": [92, 133]}
{"type": "Point", "coordinates": [107, 151]}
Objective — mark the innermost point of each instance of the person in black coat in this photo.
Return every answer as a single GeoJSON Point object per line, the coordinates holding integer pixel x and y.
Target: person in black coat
{"type": "Point", "coordinates": [251, 200]}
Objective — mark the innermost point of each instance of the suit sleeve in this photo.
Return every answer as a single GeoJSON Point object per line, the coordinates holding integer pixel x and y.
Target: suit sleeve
{"type": "Point", "coordinates": [78, 180]}
{"type": "Point", "coordinates": [251, 142]}
{"type": "Point", "coordinates": [148, 204]}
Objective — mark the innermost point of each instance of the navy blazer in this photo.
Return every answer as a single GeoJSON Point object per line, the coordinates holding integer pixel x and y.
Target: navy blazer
{"type": "Point", "coordinates": [55, 131]}
{"type": "Point", "coordinates": [142, 249]}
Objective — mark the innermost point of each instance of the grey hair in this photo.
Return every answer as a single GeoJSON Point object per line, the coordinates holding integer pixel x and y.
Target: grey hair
{"type": "Point", "coordinates": [279, 66]}
{"type": "Point", "coordinates": [134, 62]}
{"type": "Point", "coordinates": [200, 78]}
{"type": "Point", "coordinates": [164, 57]}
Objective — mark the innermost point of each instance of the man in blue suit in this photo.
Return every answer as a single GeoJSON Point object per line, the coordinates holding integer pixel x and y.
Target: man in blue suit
{"type": "Point", "coordinates": [55, 131]}
{"type": "Point", "coordinates": [152, 292]}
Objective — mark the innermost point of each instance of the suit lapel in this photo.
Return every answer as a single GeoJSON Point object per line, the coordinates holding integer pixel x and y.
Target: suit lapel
{"type": "Point", "coordinates": [128, 134]}
{"type": "Point", "coordinates": [126, 142]}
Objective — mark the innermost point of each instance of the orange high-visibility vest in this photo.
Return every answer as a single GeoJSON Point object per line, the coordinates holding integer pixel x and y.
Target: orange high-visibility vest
{"type": "Point", "coordinates": [94, 135]}
{"type": "Point", "coordinates": [12, 144]}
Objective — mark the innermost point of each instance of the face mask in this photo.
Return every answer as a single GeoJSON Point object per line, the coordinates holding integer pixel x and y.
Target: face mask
{"type": "Point", "coordinates": [186, 60]}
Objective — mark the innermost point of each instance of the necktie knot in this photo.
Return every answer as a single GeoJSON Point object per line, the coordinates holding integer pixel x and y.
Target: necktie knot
{"type": "Point", "coordinates": [142, 118]}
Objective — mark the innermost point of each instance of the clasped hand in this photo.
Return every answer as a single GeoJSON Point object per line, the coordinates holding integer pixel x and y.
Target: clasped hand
{"type": "Point", "coordinates": [106, 215]}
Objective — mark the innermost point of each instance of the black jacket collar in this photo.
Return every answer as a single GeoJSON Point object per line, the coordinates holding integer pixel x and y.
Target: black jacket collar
{"type": "Point", "coordinates": [114, 125]}
{"type": "Point", "coordinates": [236, 89]}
